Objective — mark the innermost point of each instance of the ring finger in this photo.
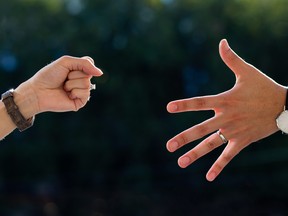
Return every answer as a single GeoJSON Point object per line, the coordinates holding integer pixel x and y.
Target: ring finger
{"type": "Point", "coordinates": [206, 146]}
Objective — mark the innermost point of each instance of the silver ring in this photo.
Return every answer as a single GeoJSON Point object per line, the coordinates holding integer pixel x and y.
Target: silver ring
{"type": "Point", "coordinates": [222, 137]}
{"type": "Point", "coordinates": [92, 86]}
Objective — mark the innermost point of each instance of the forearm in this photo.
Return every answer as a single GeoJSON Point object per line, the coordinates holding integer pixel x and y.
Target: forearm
{"type": "Point", "coordinates": [25, 100]}
{"type": "Point", "coordinates": [62, 86]}
{"type": "Point", "coordinates": [6, 124]}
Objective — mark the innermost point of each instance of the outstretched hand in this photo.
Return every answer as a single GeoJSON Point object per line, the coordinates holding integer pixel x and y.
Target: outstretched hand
{"type": "Point", "coordinates": [243, 115]}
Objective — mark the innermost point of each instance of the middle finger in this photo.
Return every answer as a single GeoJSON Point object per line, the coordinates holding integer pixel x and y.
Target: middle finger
{"type": "Point", "coordinates": [194, 133]}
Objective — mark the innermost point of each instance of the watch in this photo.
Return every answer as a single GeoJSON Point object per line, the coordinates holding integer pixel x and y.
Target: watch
{"type": "Point", "coordinates": [282, 119]}
{"type": "Point", "coordinates": [14, 112]}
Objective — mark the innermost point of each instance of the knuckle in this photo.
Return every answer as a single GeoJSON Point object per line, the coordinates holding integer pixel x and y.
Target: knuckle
{"type": "Point", "coordinates": [211, 145]}
{"type": "Point", "coordinates": [183, 139]}
{"type": "Point", "coordinates": [73, 95]}
{"type": "Point", "coordinates": [193, 155]}
{"type": "Point", "coordinates": [201, 130]}
{"type": "Point", "coordinates": [185, 105]}
{"type": "Point", "coordinates": [227, 157]}
{"type": "Point", "coordinates": [218, 168]}
{"type": "Point", "coordinates": [65, 58]}
{"type": "Point", "coordinates": [91, 60]}
{"type": "Point", "coordinates": [86, 61]}
{"type": "Point", "coordinates": [200, 102]}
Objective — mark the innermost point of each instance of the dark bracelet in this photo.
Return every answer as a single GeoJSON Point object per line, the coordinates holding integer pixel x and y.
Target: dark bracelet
{"type": "Point", "coordinates": [14, 112]}
{"type": "Point", "coordinates": [286, 103]}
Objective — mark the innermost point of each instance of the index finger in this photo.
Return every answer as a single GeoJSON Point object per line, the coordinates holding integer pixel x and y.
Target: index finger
{"type": "Point", "coordinates": [193, 104]}
{"type": "Point", "coordinates": [78, 75]}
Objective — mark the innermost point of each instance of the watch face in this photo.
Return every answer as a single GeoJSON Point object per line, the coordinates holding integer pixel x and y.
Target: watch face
{"type": "Point", "coordinates": [282, 121]}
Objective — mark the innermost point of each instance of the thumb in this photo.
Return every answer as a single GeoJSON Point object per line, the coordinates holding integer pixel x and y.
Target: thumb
{"type": "Point", "coordinates": [85, 64]}
{"type": "Point", "coordinates": [89, 58]}
{"type": "Point", "coordinates": [231, 59]}
{"type": "Point", "coordinates": [97, 72]}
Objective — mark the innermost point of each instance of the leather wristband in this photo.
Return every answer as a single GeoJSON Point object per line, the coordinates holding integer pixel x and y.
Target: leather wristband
{"type": "Point", "coordinates": [286, 103]}
{"type": "Point", "coordinates": [14, 112]}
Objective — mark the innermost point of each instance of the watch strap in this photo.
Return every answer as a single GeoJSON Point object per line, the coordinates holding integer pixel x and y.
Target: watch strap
{"type": "Point", "coordinates": [14, 112]}
{"type": "Point", "coordinates": [286, 103]}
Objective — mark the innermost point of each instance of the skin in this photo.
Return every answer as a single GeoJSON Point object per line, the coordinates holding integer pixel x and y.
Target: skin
{"type": "Point", "coordinates": [63, 85]}
{"type": "Point", "coordinates": [244, 114]}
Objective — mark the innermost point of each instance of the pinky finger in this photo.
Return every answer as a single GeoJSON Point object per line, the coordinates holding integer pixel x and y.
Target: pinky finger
{"type": "Point", "coordinates": [226, 156]}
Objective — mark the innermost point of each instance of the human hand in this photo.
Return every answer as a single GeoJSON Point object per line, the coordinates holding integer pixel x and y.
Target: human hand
{"type": "Point", "coordinates": [243, 115]}
{"type": "Point", "coordinates": [63, 85]}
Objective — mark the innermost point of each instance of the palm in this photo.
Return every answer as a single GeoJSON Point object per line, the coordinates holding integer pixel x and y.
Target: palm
{"type": "Point", "coordinates": [244, 114]}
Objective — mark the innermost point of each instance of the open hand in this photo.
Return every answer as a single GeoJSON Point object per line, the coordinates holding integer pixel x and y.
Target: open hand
{"type": "Point", "coordinates": [243, 115]}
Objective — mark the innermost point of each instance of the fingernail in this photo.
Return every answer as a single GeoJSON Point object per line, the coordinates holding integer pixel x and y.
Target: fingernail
{"type": "Point", "coordinates": [211, 176]}
{"type": "Point", "coordinates": [173, 107]}
{"type": "Point", "coordinates": [226, 44]}
{"type": "Point", "coordinates": [101, 72]}
{"type": "Point", "coordinates": [184, 161]}
{"type": "Point", "coordinates": [173, 146]}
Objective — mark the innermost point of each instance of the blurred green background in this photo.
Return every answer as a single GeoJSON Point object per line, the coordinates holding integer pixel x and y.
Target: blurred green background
{"type": "Point", "coordinates": [110, 158]}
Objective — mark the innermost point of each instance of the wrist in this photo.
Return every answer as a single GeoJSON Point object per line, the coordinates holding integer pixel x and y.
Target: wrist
{"type": "Point", "coordinates": [26, 100]}
{"type": "Point", "coordinates": [282, 118]}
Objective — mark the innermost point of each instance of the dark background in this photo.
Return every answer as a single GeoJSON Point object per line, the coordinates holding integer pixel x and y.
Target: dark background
{"type": "Point", "coordinates": [110, 158]}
